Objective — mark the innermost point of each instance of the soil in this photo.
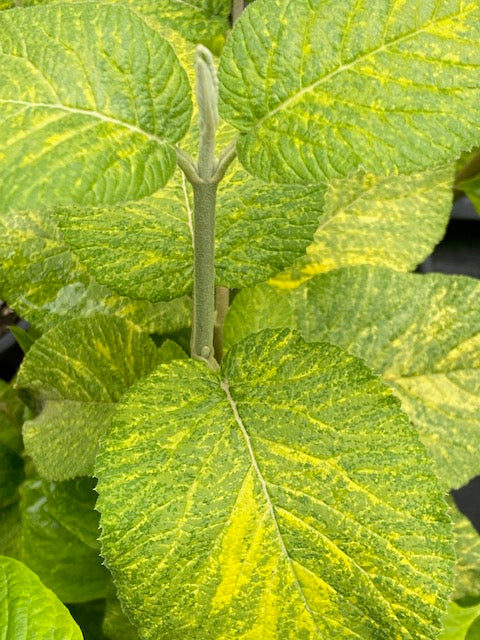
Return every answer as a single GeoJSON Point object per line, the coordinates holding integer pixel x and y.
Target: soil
{"type": "Point", "coordinates": [7, 318]}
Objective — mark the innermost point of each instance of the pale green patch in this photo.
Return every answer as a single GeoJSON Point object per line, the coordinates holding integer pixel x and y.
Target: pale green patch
{"type": "Point", "coordinates": [467, 547]}
{"type": "Point", "coordinates": [391, 221]}
{"type": "Point", "coordinates": [472, 189]}
{"type": "Point", "coordinates": [45, 282]}
{"type": "Point", "coordinates": [30, 611]}
{"type": "Point", "coordinates": [221, 503]}
{"type": "Point", "coordinates": [319, 89]}
{"type": "Point", "coordinates": [64, 563]}
{"type": "Point", "coordinates": [91, 102]}
{"type": "Point", "coordinates": [458, 622]}
{"type": "Point", "coordinates": [421, 333]}
{"type": "Point", "coordinates": [73, 376]}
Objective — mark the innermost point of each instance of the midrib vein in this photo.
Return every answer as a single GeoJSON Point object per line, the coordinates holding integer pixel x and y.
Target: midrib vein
{"type": "Point", "coordinates": [344, 67]}
{"type": "Point", "coordinates": [226, 388]}
{"type": "Point", "coordinates": [89, 113]}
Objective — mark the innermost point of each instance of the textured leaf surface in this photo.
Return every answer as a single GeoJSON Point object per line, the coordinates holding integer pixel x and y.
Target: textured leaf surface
{"type": "Point", "coordinates": [421, 333]}
{"type": "Point", "coordinates": [74, 375]}
{"type": "Point", "coordinates": [45, 282]}
{"type": "Point", "coordinates": [91, 101]}
{"type": "Point", "coordinates": [63, 562]}
{"type": "Point", "coordinates": [12, 412]}
{"type": "Point", "coordinates": [220, 505]}
{"type": "Point", "coordinates": [318, 89]}
{"type": "Point", "coordinates": [203, 21]}
{"type": "Point", "coordinates": [467, 547]}
{"type": "Point", "coordinates": [30, 611]}
{"type": "Point", "coordinates": [393, 222]}
{"type": "Point", "coordinates": [458, 622]}
{"type": "Point", "coordinates": [11, 475]}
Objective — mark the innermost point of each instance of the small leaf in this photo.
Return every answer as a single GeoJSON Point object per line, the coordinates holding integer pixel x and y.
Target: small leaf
{"type": "Point", "coordinates": [391, 221]}
{"type": "Point", "coordinates": [12, 412]}
{"type": "Point", "coordinates": [64, 563]}
{"type": "Point", "coordinates": [458, 621]}
{"type": "Point", "coordinates": [74, 374]}
{"type": "Point", "coordinates": [24, 339]}
{"type": "Point", "coordinates": [319, 89]}
{"type": "Point", "coordinates": [91, 102]}
{"type": "Point", "coordinates": [28, 610]}
{"type": "Point", "coordinates": [45, 282]}
{"type": "Point", "coordinates": [267, 502]}
{"type": "Point", "coordinates": [421, 333]}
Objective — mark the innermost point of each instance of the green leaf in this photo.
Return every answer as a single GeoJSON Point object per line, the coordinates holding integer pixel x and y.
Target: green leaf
{"type": "Point", "coordinates": [45, 282]}
{"type": "Point", "coordinates": [11, 475]}
{"type": "Point", "coordinates": [72, 503]}
{"type": "Point", "coordinates": [458, 621]}
{"type": "Point", "coordinates": [467, 547]}
{"type": "Point", "coordinates": [391, 221]}
{"type": "Point", "coordinates": [421, 333]}
{"type": "Point", "coordinates": [169, 351]}
{"type": "Point", "coordinates": [267, 502]}
{"type": "Point", "coordinates": [116, 625]}
{"type": "Point", "coordinates": [204, 21]}
{"type": "Point", "coordinates": [74, 374]}
{"type": "Point", "coordinates": [30, 611]}
{"type": "Point", "coordinates": [472, 188]}
{"type": "Point", "coordinates": [10, 531]}
{"type": "Point", "coordinates": [12, 411]}
{"type": "Point", "coordinates": [319, 89]}
{"type": "Point", "coordinates": [91, 102]}
{"type": "Point", "coordinates": [64, 563]}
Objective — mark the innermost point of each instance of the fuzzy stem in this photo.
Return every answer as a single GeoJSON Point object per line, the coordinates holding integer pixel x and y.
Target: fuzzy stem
{"type": "Point", "coordinates": [237, 9]}
{"type": "Point", "coordinates": [222, 300]}
{"type": "Point", "coordinates": [204, 197]}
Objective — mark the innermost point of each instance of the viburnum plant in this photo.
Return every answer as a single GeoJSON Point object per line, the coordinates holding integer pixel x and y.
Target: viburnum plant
{"type": "Point", "coordinates": [281, 471]}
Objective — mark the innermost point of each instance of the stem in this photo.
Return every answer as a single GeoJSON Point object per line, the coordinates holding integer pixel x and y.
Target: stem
{"type": "Point", "coordinates": [222, 299]}
{"type": "Point", "coordinates": [237, 9]}
{"type": "Point", "coordinates": [204, 198]}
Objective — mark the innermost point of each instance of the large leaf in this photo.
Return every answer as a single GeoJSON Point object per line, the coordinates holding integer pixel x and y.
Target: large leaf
{"type": "Point", "coordinates": [64, 563]}
{"type": "Point", "coordinates": [467, 547]}
{"type": "Point", "coordinates": [287, 498]}
{"type": "Point", "coordinates": [45, 282]}
{"type": "Point", "coordinates": [74, 374]}
{"type": "Point", "coordinates": [319, 88]}
{"type": "Point", "coordinates": [421, 333]}
{"type": "Point", "coordinates": [202, 21]}
{"type": "Point", "coordinates": [391, 221]}
{"type": "Point", "coordinates": [30, 611]}
{"type": "Point", "coordinates": [91, 102]}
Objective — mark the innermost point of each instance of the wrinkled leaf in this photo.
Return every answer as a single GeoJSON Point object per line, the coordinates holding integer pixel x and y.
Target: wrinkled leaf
{"type": "Point", "coordinates": [421, 333]}
{"type": "Point", "coordinates": [73, 375]}
{"type": "Point", "coordinates": [91, 102]}
{"type": "Point", "coordinates": [221, 498]}
{"type": "Point", "coordinates": [319, 89]}
{"type": "Point", "coordinates": [391, 221]}
{"type": "Point", "coordinates": [30, 611]}
{"type": "Point", "coordinates": [467, 547]}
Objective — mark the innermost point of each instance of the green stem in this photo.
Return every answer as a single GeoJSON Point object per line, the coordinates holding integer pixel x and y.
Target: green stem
{"type": "Point", "coordinates": [204, 198]}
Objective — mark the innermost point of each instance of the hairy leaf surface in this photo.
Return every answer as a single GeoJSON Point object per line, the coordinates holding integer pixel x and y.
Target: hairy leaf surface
{"type": "Point", "coordinates": [220, 505]}
{"type": "Point", "coordinates": [319, 88]}
{"type": "Point", "coordinates": [64, 563]}
{"type": "Point", "coordinates": [391, 221]}
{"type": "Point", "coordinates": [421, 333]}
{"type": "Point", "coordinates": [91, 101]}
{"type": "Point", "coordinates": [45, 282]}
{"type": "Point", "coordinates": [73, 375]}
{"type": "Point", "coordinates": [28, 610]}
